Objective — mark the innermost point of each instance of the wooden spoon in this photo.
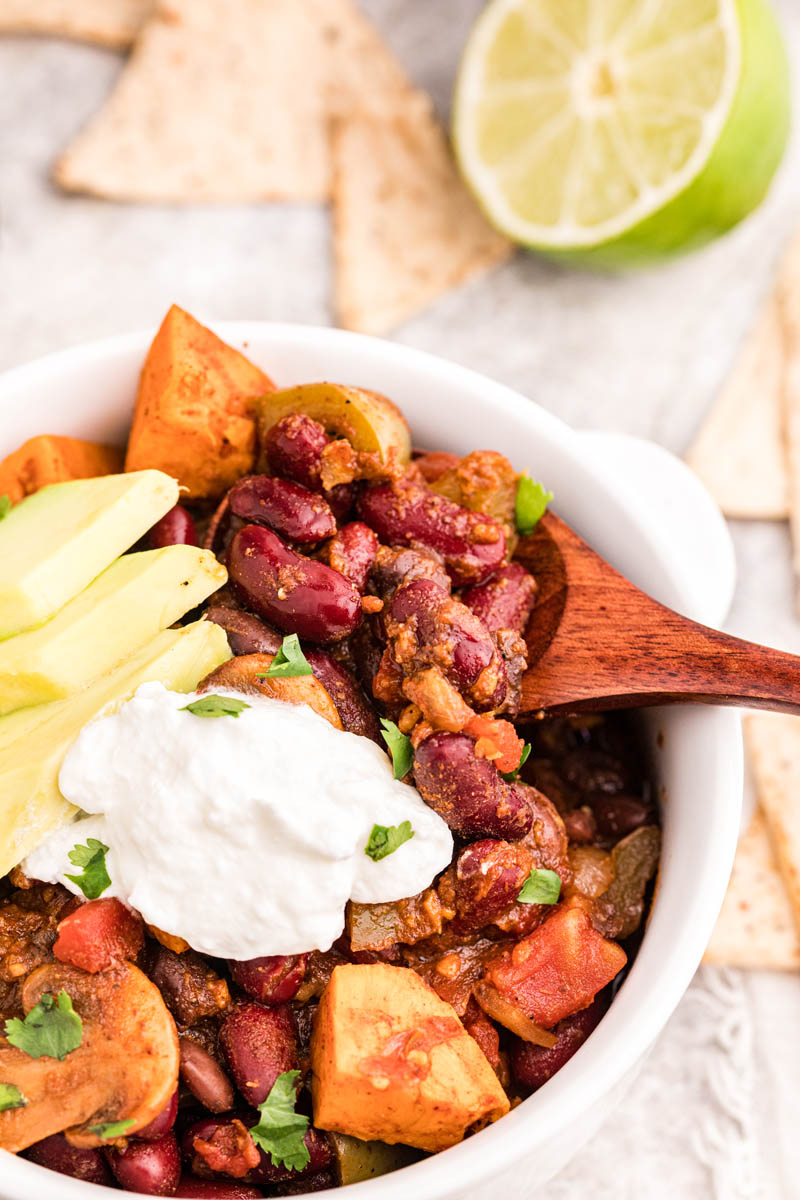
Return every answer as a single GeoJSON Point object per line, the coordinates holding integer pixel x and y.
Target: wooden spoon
{"type": "Point", "coordinates": [596, 642]}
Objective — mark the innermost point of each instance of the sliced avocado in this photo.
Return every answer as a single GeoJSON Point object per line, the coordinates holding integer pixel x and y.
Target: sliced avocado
{"type": "Point", "coordinates": [121, 611]}
{"type": "Point", "coordinates": [54, 543]}
{"type": "Point", "coordinates": [33, 742]}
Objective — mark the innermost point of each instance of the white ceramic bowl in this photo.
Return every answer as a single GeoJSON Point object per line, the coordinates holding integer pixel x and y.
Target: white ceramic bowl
{"type": "Point", "coordinates": [88, 391]}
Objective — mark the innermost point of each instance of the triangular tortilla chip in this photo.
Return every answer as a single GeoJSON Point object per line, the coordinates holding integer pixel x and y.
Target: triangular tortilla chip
{"type": "Point", "coordinates": [756, 927]}
{"type": "Point", "coordinates": [739, 453]}
{"type": "Point", "coordinates": [774, 744]}
{"type": "Point", "coordinates": [222, 100]}
{"type": "Point", "coordinates": [107, 22]}
{"type": "Point", "coordinates": [364, 75]}
{"type": "Point", "coordinates": [789, 291]}
{"type": "Point", "coordinates": [405, 227]}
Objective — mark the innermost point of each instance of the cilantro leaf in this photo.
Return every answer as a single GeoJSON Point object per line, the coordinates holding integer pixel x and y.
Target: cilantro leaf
{"type": "Point", "coordinates": [113, 1129]}
{"type": "Point", "coordinates": [385, 839]}
{"type": "Point", "coordinates": [541, 887]}
{"type": "Point", "coordinates": [215, 706]}
{"type": "Point", "coordinates": [289, 661]}
{"type": "Point", "coordinates": [95, 878]}
{"type": "Point", "coordinates": [280, 1130]}
{"type": "Point", "coordinates": [530, 505]}
{"type": "Point", "coordinates": [52, 1029]}
{"type": "Point", "coordinates": [5, 506]}
{"type": "Point", "coordinates": [399, 747]}
{"type": "Point", "coordinates": [513, 776]}
{"type": "Point", "coordinates": [11, 1097]}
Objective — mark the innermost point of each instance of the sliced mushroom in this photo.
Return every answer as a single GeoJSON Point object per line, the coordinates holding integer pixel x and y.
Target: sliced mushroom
{"type": "Point", "coordinates": [244, 674]}
{"type": "Point", "coordinates": [125, 1069]}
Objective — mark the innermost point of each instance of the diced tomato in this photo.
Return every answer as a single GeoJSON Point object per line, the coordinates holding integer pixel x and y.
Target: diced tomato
{"type": "Point", "coordinates": [497, 741]}
{"type": "Point", "coordinates": [99, 934]}
{"type": "Point", "coordinates": [558, 969]}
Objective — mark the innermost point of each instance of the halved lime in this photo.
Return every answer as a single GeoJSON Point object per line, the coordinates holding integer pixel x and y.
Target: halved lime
{"type": "Point", "coordinates": [619, 131]}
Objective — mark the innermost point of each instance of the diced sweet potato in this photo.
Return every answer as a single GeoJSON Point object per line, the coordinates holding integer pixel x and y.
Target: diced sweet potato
{"type": "Point", "coordinates": [195, 412]}
{"type": "Point", "coordinates": [558, 969]}
{"type": "Point", "coordinates": [48, 459]}
{"type": "Point", "coordinates": [392, 1062]}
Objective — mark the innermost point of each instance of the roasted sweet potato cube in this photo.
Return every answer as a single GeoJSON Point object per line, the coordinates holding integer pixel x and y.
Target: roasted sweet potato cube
{"type": "Point", "coordinates": [48, 459]}
{"type": "Point", "coordinates": [558, 969]}
{"type": "Point", "coordinates": [195, 412]}
{"type": "Point", "coordinates": [391, 1061]}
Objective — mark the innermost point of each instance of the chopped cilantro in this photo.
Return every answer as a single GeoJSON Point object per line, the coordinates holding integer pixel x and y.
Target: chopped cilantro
{"type": "Point", "coordinates": [95, 878]}
{"type": "Point", "coordinates": [11, 1097]}
{"type": "Point", "coordinates": [52, 1029]}
{"type": "Point", "coordinates": [541, 887]}
{"type": "Point", "coordinates": [530, 505]}
{"type": "Point", "coordinates": [280, 1130]}
{"type": "Point", "coordinates": [385, 839]}
{"type": "Point", "coordinates": [5, 506]}
{"type": "Point", "coordinates": [215, 706]}
{"type": "Point", "coordinates": [113, 1129]}
{"type": "Point", "coordinates": [399, 747]}
{"type": "Point", "coordinates": [513, 776]}
{"type": "Point", "coordinates": [289, 661]}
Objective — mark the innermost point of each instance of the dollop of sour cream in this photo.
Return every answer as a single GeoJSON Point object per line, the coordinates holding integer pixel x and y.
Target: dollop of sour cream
{"type": "Point", "coordinates": [244, 835]}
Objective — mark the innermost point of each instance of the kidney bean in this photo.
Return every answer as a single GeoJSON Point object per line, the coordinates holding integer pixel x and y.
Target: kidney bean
{"type": "Point", "coordinates": [152, 1168]}
{"type": "Point", "coordinates": [479, 1027]}
{"type": "Point", "coordinates": [532, 1065]}
{"type": "Point", "coordinates": [489, 876]}
{"type": "Point", "coordinates": [580, 825]}
{"type": "Point", "coordinates": [468, 792]}
{"type": "Point", "coordinates": [341, 498]}
{"type": "Point", "coordinates": [176, 528]}
{"type": "Point", "coordinates": [192, 1188]}
{"type": "Point", "coordinates": [56, 1154]}
{"type": "Point", "coordinates": [471, 544]}
{"type": "Point", "coordinates": [394, 567]}
{"type": "Point", "coordinates": [429, 628]}
{"type": "Point", "coordinates": [291, 510]}
{"type": "Point", "coordinates": [592, 771]}
{"type": "Point", "coordinates": [247, 634]}
{"type": "Point", "coordinates": [295, 593]}
{"type": "Point", "coordinates": [204, 1077]}
{"type": "Point", "coordinates": [505, 601]}
{"type": "Point", "coordinates": [356, 713]}
{"type": "Point", "coordinates": [545, 775]}
{"type": "Point", "coordinates": [190, 988]}
{"type": "Point", "coordinates": [352, 552]}
{"type": "Point", "coordinates": [619, 815]}
{"type": "Point", "coordinates": [293, 447]}
{"type": "Point", "coordinates": [271, 980]}
{"type": "Point", "coordinates": [162, 1123]}
{"type": "Point", "coordinates": [259, 1044]}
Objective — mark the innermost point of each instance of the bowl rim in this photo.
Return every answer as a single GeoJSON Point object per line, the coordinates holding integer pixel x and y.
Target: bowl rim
{"type": "Point", "coordinates": [568, 1095]}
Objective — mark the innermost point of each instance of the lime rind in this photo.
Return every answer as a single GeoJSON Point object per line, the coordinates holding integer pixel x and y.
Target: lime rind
{"type": "Point", "coordinates": [723, 178]}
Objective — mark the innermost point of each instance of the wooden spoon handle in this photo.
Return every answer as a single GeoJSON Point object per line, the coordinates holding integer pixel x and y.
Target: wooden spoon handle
{"type": "Point", "coordinates": [595, 641]}
{"type": "Point", "coordinates": [673, 661]}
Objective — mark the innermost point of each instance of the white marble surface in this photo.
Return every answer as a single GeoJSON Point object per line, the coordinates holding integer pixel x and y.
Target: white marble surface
{"type": "Point", "coordinates": [713, 1113]}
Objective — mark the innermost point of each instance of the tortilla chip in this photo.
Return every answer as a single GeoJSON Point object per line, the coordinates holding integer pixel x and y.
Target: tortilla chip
{"type": "Point", "coordinates": [363, 73]}
{"type": "Point", "coordinates": [222, 100]}
{"type": "Point", "coordinates": [106, 22]}
{"type": "Point", "coordinates": [756, 927]}
{"type": "Point", "coordinates": [739, 453]}
{"type": "Point", "coordinates": [774, 744]}
{"type": "Point", "coordinates": [405, 227]}
{"type": "Point", "coordinates": [789, 292]}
